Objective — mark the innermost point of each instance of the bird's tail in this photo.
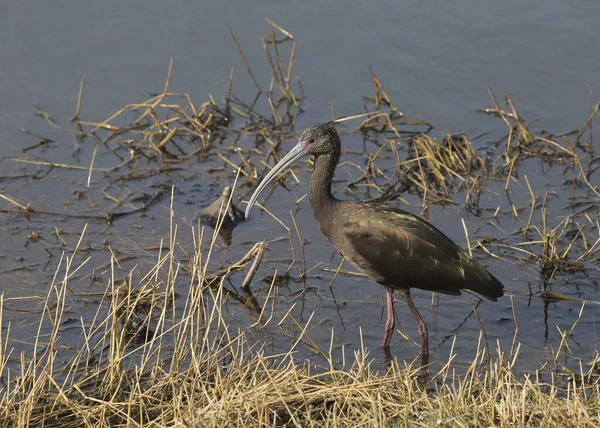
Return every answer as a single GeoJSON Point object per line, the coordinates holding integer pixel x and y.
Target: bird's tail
{"type": "Point", "coordinates": [485, 284]}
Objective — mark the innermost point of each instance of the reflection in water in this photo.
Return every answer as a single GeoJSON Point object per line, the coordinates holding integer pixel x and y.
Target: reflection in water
{"type": "Point", "coordinates": [456, 330]}
{"type": "Point", "coordinates": [423, 368]}
{"type": "Point", "coordinates": [226, 234]}
{"type": "Point", "coordinates": [337, 308]}
{"type": "Point", "coordinates": [248, 300]}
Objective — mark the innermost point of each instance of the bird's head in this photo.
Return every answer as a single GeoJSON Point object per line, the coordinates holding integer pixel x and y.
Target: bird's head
{"type": "Point", "coordinates": [318, 140]}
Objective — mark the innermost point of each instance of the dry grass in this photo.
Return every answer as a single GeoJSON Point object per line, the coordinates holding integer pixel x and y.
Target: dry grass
{"type": "Point", "coordinates": [143, 360]}
{"type": "Point", "coordinates": [149, 357]}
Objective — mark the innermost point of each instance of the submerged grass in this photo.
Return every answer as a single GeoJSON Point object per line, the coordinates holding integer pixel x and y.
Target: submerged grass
{"type": "Point", "coordinates": [144, 360]}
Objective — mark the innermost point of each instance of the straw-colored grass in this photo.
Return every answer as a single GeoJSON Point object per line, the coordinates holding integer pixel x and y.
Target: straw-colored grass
{"type": "Point", "coordinates": [144, 360]}
{"type": "Point", "coordinates": [149, 357]}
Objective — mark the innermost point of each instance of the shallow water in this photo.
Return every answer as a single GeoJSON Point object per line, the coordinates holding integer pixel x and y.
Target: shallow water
{"type": "Point", "coordinates": [436, 63]}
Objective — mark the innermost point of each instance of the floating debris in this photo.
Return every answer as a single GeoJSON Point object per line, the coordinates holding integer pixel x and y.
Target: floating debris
{"type": "Point", "coordinates": [231, 214]}
{"type": "Point", "coordinates": [225, 212]}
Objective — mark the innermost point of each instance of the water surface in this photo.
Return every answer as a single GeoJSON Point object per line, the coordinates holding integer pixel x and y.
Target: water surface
{"type": "Point", "coordinates": [436, 64]}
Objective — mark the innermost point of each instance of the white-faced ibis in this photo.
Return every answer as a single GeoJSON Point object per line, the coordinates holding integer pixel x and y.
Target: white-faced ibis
{"type": "Point", "coordinates": [395, 248]}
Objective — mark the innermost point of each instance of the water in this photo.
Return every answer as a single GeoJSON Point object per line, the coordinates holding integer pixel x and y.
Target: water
{"type": "Point", "coordinates": [436, 63]}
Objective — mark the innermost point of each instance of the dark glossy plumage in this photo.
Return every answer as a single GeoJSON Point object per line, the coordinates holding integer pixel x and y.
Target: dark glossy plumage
{"type": "Point", "coordinates": [397, 249]}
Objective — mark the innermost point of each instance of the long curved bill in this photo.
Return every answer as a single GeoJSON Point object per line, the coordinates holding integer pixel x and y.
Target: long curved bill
{"type": "Point", "coordinates": [296, 153]}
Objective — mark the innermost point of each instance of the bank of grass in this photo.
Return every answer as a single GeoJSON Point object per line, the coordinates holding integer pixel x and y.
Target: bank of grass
{"type": "Point", "coordinates": [144, 360]}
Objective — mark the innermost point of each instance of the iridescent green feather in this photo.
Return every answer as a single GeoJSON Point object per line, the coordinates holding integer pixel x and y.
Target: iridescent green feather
{"type": "Point", "coordinates": [401, 250]}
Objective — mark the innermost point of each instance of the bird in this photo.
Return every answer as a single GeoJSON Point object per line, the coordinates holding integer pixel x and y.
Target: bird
{"type": "Point", "coordinates": [395, 248]}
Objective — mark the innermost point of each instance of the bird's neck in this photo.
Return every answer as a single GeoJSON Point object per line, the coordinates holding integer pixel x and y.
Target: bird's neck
{"type": "Point", "coordinates": [321, 199]}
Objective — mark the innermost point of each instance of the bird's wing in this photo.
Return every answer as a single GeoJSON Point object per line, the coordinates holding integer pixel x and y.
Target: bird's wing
{"type": "Point", "coordinates": [401, 250]}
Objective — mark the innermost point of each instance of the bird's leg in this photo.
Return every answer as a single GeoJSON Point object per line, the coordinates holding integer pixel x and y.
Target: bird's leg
{"type": "Point", "coordinates": [420, 324]}
{"type": "Point", "coordinates": [389, 324]}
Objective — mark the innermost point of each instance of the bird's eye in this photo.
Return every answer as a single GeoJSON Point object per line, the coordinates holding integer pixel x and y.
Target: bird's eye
{"type": "Point", "coordinates": [307, 143]}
